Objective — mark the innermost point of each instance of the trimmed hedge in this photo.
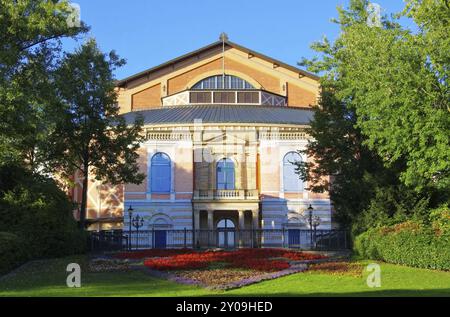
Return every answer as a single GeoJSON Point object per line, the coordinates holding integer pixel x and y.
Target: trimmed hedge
{"type": "Point", "coordinates": [406, 243]}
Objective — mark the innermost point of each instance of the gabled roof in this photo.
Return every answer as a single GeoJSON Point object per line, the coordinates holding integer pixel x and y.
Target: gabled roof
{"type": "Point", "coordinates": [208, 47]}
{"type": "Point", "coordinates": [222, 114]}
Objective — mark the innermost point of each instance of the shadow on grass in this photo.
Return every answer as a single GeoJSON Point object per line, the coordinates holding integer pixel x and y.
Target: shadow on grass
{"type": "Point", "coordinates": [371, 293]}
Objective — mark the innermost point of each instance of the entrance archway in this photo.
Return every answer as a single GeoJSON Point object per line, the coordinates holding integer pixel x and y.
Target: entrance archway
{"type": "Point", "coordinates": [226, 233]}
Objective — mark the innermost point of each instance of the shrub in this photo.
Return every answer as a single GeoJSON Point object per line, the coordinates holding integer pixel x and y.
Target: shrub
{"type": "Point", "coordinates": [38, 213]}
{"type": "Point", "coordinates": [407, 243]}
{"type": "Point", "coordinates": [11, 251]}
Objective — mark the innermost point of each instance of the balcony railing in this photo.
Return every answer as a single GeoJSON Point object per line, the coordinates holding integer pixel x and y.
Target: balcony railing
{"type": "Point", "coordinates": [226, 194]}
{"type": "Point", "coordinates": [225, 97]}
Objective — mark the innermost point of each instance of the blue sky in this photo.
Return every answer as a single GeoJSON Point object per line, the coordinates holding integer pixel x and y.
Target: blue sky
{"type": "Point", "coordinates": [148, 33]}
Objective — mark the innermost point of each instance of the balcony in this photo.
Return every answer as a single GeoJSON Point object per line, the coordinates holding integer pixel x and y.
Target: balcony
{"type": "Point", "coordinates": [225, 97]}
{"type": "Point", "coordinates": [226, 194]}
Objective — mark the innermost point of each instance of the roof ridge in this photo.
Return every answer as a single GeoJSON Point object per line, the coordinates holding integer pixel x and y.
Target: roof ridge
{"type": "Point", "coordinates": [216, 43]}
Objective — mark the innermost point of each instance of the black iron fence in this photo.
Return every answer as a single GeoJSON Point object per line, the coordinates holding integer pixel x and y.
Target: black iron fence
{"type": "Point", "coordinates": [303, 239]}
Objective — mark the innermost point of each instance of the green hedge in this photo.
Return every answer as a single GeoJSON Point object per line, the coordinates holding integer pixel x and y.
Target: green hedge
{"type": "Point", "coordinates": [12, 251]}
{"type": "Point", "coordinates": [408, 244]}
{"type": "Point", "coordinates": [36, 219]}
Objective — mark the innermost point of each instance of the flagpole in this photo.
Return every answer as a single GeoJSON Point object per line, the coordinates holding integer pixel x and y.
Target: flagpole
{"type": "Point", "coordinates": [223, 37]}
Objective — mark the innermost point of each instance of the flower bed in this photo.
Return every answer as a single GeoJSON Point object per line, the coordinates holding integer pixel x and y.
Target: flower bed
{"type": "Point", "coordinates": [337, 268]}
{"type": "Point", "coordinates": [265, 260]}
{"type": "Point", "coordinates": [151, 253]}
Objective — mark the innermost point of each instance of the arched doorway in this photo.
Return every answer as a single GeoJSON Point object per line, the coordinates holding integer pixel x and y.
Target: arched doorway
{"type": "Point", "coordinates": [226, 233]}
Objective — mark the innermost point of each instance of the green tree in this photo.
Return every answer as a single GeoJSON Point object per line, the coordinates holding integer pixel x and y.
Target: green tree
{"type": "Point", "coordinates": [397, 82]}
{"type": "Point", "coordinates": [357, 118]}
{"type": "Point", "coordinates": [89, 135]}
{"type": "Point", "coordinates": [30, 33]}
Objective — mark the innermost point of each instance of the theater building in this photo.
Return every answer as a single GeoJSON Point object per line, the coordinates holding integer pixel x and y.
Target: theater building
{"type": "Point", "coordinates": [223, 126]}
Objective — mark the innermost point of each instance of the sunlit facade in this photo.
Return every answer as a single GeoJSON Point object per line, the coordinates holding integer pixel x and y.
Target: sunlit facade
{"type": "Point", "coordinates": [223, 126]}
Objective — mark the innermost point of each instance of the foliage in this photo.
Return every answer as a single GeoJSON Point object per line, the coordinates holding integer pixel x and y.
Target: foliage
{"type": "Point", "coordinates": [90, 135]}
{"type": "Point", "coordinates": [408, 243]}
{"type": "Point", "coordinates": [11, 251]}
{"type": "Point", "coordinates": [29, 47]}
{"type": "Point", "coordinates": [381, 130]}
{"type": "Point", "coordinates": [34, 209]}
{"type": "Point", "coordinates": [440, 219]}
{"type": "Point", "coordinates": [397, 80]}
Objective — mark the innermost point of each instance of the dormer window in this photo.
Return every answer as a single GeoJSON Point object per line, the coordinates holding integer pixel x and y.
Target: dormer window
{"type": "Point", "coordinates": [217, 82]}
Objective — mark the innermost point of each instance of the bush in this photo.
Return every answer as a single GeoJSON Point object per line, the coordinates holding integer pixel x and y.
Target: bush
{"type": "Point", "coordinates": [11, 251]}
{"type": "Point", "coordinates": [39, 215]}
{"type": "Point", "coordinates": [406, 243]}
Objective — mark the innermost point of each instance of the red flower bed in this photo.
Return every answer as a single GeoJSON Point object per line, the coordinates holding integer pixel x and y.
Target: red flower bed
{"type": "Point", "coordinates": [151, 253]}
{"type": "Point", "coordinates": [255, 259]}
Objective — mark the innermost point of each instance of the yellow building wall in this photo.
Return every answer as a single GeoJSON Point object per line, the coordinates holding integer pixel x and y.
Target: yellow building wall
{"type": "Point", "coordinates": [145, 93]}
{"type": "Point", "coordinates": [298, 97]}
{"type": "Point", "coordinates": [147, 98]}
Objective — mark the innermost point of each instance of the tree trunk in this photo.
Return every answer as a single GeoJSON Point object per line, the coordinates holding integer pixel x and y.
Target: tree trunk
{"type": "Point", "coordinates": [82, 222]}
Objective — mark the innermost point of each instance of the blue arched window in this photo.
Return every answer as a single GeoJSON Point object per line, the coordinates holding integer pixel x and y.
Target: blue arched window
{"type": "Point", "coordinates": [291, 180]}
{"type": "Point", "coordinates": [218, 81]}
{"type": "Point", "coordinates": [160, 173]}
{"type": "Point", "coordinates": [225, 174]}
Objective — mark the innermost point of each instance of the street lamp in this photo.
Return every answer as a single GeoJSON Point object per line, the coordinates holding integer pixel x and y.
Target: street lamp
{"type": "Point", "coordinates": [130, 215]}
{"type": "Point", "coordinates": [310, 221]}
{"type": "Point", "coordinates": [315, 224]}
{"type": "Point", "coordinates": [138, 222]}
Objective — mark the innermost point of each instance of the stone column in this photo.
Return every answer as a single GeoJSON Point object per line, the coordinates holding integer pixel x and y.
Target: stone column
{"type": "Point", "coordinates": [211, 233]}
{"type": "Point", "coordinates": [255, 219]}
{"type": "Point", "coordinates": [196, 241]}
{"type": "Point", "coordinates": [210, 219]}
{"type": "Point", "coordinates": [241, 227]}
{"type": "Point", "coordinates": [241, 219]}
{"type": "Point", "coordinates": [255, 226]}
{"type": "Point", "coordinates": [197, 219]}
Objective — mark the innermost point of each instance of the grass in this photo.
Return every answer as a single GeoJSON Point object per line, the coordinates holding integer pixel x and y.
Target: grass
{"type": "Point", "coordinates": [48, 278]}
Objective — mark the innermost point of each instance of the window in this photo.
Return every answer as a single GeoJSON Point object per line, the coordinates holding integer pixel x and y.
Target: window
{"type": "Point", "coordinates": [160, 173]}
{"type": "Point", "coordinates": [216, 82]}
{"type": "Point", "coordinates": [225, 224]}
{"type": "Point", "coordinates": [291, 180]}
{"type": "Point", "coordinates": [225, 174]}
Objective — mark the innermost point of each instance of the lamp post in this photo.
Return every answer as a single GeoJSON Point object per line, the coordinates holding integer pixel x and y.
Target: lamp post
{"type": "Point", "coordinates": [138, 222]}
{"type": "Point", "coordinates": [130, 215]}
{"type": "Point", "coordinates": [310, 221]}
{"type": "Point", "coordinates": [315, 223]}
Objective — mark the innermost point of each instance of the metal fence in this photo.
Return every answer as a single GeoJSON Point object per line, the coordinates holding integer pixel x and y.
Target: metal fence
{"type": "Point", "coordinates": [222, 238]}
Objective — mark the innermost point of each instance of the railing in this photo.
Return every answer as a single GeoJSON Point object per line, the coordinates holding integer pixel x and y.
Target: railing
{"type": "Point", "coordinates": [226, 194]}
{"type": "Point", "coordinates": [303, 239]}
{"type": "Point", "coordinates": [226, 96]}
{"type": "Point", "coordinates": [107, 240]}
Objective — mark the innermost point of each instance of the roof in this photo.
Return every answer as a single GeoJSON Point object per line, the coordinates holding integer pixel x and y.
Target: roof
{"type": "Point", "coordinates": [210, 46]}
{"type": "Point", "coordinates": [223, 114]}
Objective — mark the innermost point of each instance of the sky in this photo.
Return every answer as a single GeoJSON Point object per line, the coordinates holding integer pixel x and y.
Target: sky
{"type": "Point", "coordinates": [148, 32]}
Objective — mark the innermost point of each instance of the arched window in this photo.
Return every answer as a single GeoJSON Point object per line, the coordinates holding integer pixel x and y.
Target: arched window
{"type": "Point", "coordinates": [160, 173]}
{"type": "Point", "coordinates": [218, 81]}
{"type": "Point", "coordinates": [225, 224]}
{"type": "Point", "coordinates": [225, 174]}
{"type": "Point", "coordinates": [291, 180]}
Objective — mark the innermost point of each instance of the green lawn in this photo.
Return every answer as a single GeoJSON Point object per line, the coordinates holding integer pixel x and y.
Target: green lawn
{"type": "Point", "coordinates": [47, 278]}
